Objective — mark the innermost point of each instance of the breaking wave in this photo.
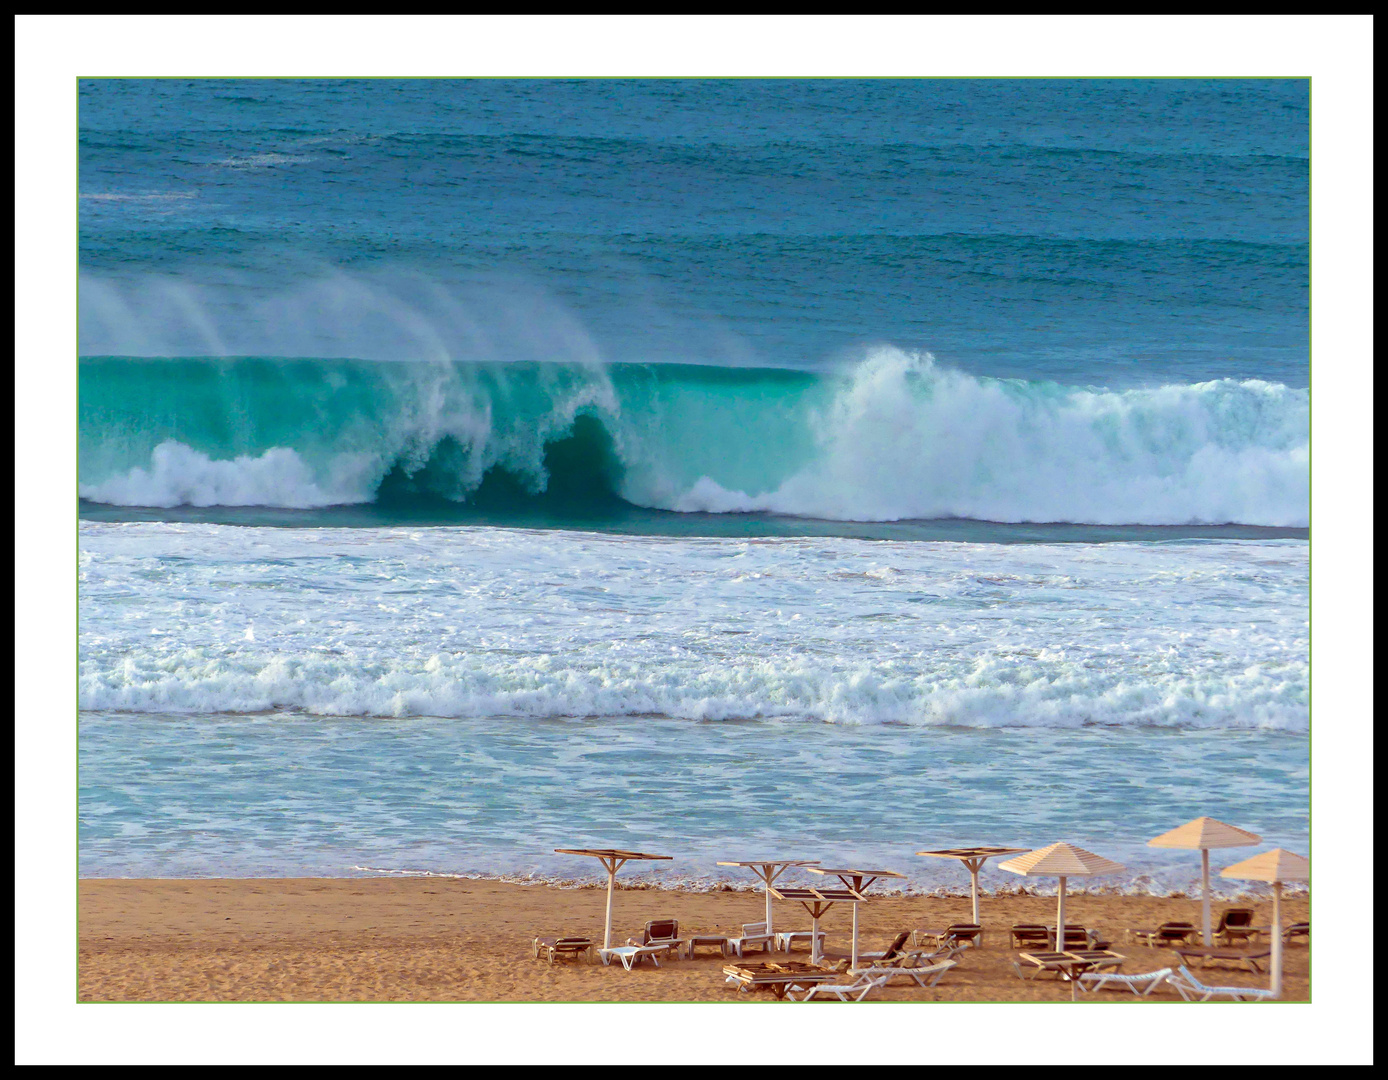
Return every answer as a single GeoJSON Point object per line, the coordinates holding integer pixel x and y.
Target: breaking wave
{"type": "Point", "coordinates": [893, 437]}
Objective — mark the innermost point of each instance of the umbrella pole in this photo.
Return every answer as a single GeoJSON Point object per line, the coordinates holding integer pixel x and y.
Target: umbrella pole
{"type": "Point", "coordinates": [973, 874]}
{"type": "Point", "coordinates": [1060, 918]}
{"type": "Point", "coordinates": [814, 935]}
{"type": "Point", "coordinates": [1277, 939]}
{"type": "Point", "coordinates": [768, 877]}
{"type": "Point", "coordinates": [1205, 894]}
{"type": "Point", "coordinates": [607, 928]}
{"type": "Point", "coordinates": [855, 933]}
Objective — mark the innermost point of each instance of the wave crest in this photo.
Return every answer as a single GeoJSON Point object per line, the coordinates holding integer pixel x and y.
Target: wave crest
{"type": "Point", "coordinates": [893, 437]}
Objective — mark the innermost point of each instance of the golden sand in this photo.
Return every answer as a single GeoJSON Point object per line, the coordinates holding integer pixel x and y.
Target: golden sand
{"type": "Point", "coordinates": [442, 939]}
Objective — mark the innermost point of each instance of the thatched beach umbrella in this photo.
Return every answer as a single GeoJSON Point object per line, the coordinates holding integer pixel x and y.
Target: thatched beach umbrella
{"type": "Point", "coordinates": [1062, 861]}
{"type": "Point", "coordinates": [1275, 866]}
{"type": "Point", "coordinates": [769, 870]}
{"type": "Point", "coordinates": [612, 859]}
{"type": "Point", "coordinates": [1205, 833]}
{"type": "Point", "coordinates": [973, 858]}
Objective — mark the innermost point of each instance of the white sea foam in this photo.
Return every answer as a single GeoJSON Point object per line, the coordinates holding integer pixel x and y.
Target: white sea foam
{"type": "Point", "coordinates": [906, 439]}
{"type": "Point", "coordinates": [489, 622]}
{"type": "Point", "coordinates": [181, 476]}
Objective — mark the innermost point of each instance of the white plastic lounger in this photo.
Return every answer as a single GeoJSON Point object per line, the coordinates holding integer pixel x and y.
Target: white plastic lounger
{"type": "Point", "coordinates": [862, 987]}
{"type": "Point", "coordinates": [1192, 989]}
{"type": "Point", "coordinates": [786, 939]}
{"type": "Point", "coordinates": [925, 957]}
{"type": "Point", "coordinates": [753, 934]}
{"type": "Point", "coordinates": [1141, 985]}
{"type": "Point", "coordinates": [630, 955]}
{"type": "Point", "coordinates": [922, 976]}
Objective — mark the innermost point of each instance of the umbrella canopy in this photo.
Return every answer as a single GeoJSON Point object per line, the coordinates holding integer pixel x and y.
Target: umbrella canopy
{"type": "Point", "coordinates": [1275, 866]}
{"type": "Point", "coordinates": [768, 870]}
{"type": "Point", "coordinates": [855, 881]}
{"type": "Point", "coordinates": [817, 901]}
{"type": "Point", "coordinates": [973, 858]}
{"type": "Point", "coordinates": [613, 859]}
{"type": "Point", "coordinates": [1062, 861]}
{"type": "Point", "coordinates": [1205, 833]}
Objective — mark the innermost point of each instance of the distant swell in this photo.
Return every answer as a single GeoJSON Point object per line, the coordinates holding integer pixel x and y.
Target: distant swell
{"type": "Point", "coordinates": [893, 437]}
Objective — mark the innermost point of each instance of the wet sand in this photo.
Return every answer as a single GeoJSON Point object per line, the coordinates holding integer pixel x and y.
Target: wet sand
{"type": "Point", "coordinates": [440, 939]}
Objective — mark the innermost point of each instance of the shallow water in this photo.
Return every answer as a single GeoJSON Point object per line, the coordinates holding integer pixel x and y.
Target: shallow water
{"type": "Point", "coordinates": [290, 795]}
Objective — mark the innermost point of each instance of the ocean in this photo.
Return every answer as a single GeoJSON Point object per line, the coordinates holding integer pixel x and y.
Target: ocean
{"type": "Point", "coordinates": [726, 468]}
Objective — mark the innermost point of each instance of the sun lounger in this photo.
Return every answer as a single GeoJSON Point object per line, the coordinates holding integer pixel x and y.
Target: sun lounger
{"type": "Point", "coordinates": [555, 947]}
{"type": "Point", "coordinates": [1061, 963]}
{"type": "Point", "coordinates": [660, 932]}
{"type": "Point", "coordinates": [1192, 989]}
{"type": "Point", "coordinates": [1235, 925]}
{"type": "Point", "coordinates": [630, 955]}
{"type": "Point", "coordinates": [861, 987]}
{"type": "Point", "coordinates": [753, 935]}
{"type": "Point", "coordinates": [890, 952]}
{"type": "Point", "coordinates": [1297, 931]}
{"type": "Point", "coordinates": [925, 957]}
{"type": "Point", "coordinates": [1141, 985]}
{"type": "Point", "coordinates": [1247, 957]}
{"type": "Point", "coordinates": [786, 939]}
{"type": "Point", "coordinates": [1025, 935]}
{"type": "Point", "coordinates": [921, 976]}
{"type": "Point", "coordinates": [967, 933]}
{"type": "Point", "coordinates": [1168, 933]}
{"type": "Point", "coordinates": [1079, 937]}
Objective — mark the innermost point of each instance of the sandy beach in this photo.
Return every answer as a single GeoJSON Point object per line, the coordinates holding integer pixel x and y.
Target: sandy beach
{"type": "Point", "coordinates": [439, 939]}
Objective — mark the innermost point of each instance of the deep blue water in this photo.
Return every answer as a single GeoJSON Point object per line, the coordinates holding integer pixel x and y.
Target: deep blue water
{"type": "Point", "coordinates": [1108, 232]}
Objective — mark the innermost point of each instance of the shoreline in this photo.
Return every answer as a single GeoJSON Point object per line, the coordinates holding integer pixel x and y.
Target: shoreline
{"type": "Point", "coordinates": [1224, 892]}
{"type": "Point", "coordinates": [456, 940]}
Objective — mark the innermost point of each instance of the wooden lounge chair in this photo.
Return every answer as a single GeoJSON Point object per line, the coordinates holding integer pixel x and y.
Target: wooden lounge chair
{"type": "Point", "coordinates": [891, 952]}
{"type": "Point", "coordinates": [966, 933]}
{"type": "Point", "coordinates": [660, 932]}
{"type": "Point", "coordinates": [1141, 985]}
{"type": "Point", "coordinates": [556, 947]}
{"type": "Point", "coordinates": [753, 935]}
{"type": "Point", "coordinates": [922, 976]}
{"type": "Point", "coordinates": [925, 957]}
{"type": "Point", "coordinates": [1214, 954]}
{"type": "Point", "coordinates": [1297, 931]}
{"type": "Point", "coordinates": [1168, 933]}
{"type": "Point", "coordinates": [1080, 937]}
{"type": "Point", "coordinates": [1025, 935]}
{"type": "Point", "coordinates": [1032, 965]}
{"type": "Point", "coordinates": [1192, 989]}
{"type": "Point", "coordinates": [860, 987]}
{"type": "Point", "coordinates": [1235, 925]}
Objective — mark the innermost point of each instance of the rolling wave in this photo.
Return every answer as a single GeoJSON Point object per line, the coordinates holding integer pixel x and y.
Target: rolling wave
{"type": "Point", "coordinates": [893, 437]}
